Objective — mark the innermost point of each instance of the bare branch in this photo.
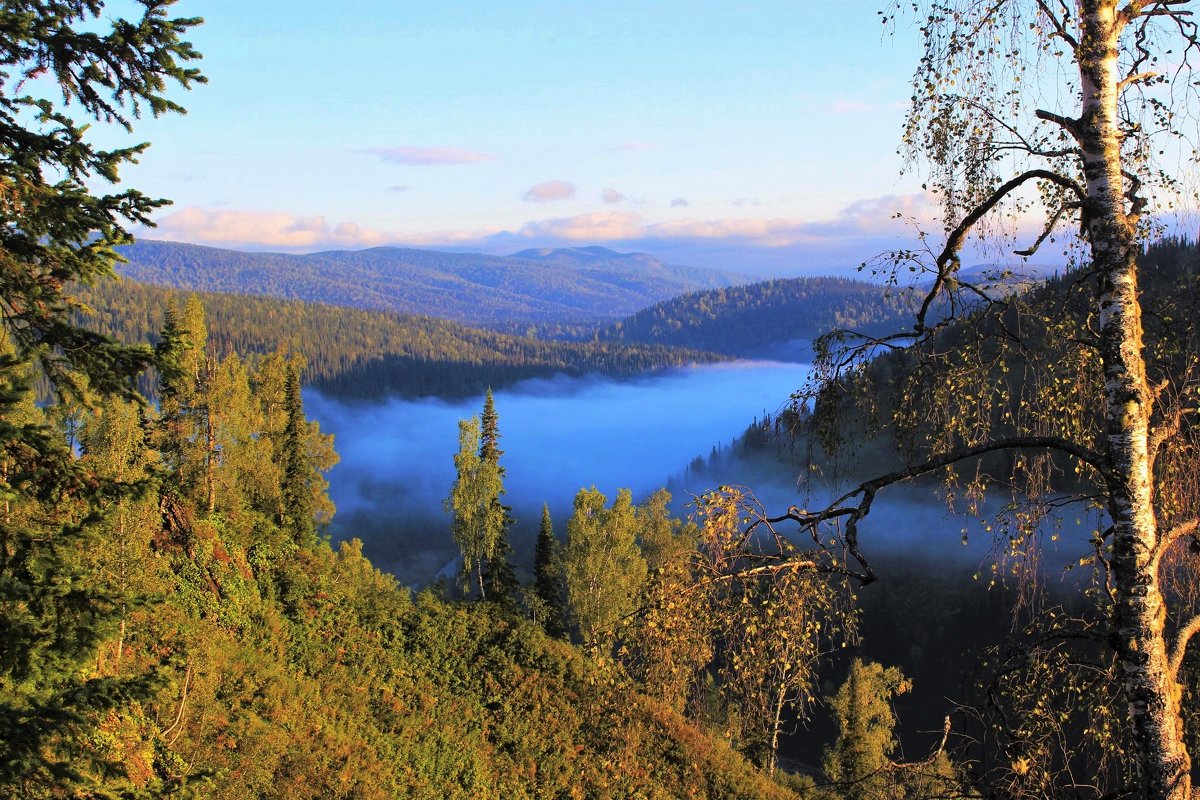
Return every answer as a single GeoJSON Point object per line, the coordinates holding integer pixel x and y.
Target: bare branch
{"type": "Point", "coordinates": [1071, 126]}
{"type": "Point", "coordinates": [1132, 79]}
{"type": "Point", "coordinates": [866, 491]}
{"type": "Point", "coordinates": [1060, 30]}
{"type": "Point", "coordinates": [1162, 433]}
{"type": "Point", "coordinates": [947, 261]}
{"type": "Point", "coordinates": [1188, 527]}
{"type": "Point", "coordinates": [1179, 646]}
{"type": "Point", "coordinates": [1050, 226]}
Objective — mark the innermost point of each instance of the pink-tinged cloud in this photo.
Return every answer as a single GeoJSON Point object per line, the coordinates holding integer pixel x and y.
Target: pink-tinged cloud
{"type": "Point", "coordinates": [262, 229]}
{"type": "Point", "coordinates": [603, 226]}
{"type": "Point", "coordinates": [611, 196]}
{"type": "Point", "coordinates": [871, 218]}
{"type": "Point", "coordinates": [781, 245]}
{"type": "Point", "coordinates": [428, 156]}
{"type": "Point", "coordinates": [548, 191]}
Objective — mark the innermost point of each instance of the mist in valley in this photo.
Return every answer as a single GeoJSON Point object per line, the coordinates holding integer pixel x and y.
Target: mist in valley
{"type": "Point", "coordinates": [563, 434]}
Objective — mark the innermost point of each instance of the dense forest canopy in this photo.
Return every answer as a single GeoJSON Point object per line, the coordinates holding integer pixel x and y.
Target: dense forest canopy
{"type": "Point", "coordinates": [756, 319]}
{"type": "Point", "coordinates": [360, 354]}
{"type": "Point", "coordinates": [575, 285]}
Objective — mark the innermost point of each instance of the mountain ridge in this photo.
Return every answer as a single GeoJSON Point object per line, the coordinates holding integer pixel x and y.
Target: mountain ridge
{"type": "Point", "coordinates": [564, 285]}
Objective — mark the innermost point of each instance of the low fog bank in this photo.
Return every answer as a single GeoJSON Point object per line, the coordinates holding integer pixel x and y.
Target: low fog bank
{"type": "Point", "coordinates": [558, 435]}
{"type": "Point", "coordinates": [908, 523]}
{"type": "Point", "coordinates": [563, 434]}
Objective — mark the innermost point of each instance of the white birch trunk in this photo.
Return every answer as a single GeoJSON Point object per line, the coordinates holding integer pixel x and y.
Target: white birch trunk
{"type": "Point", "coordinates": [1140, 614]}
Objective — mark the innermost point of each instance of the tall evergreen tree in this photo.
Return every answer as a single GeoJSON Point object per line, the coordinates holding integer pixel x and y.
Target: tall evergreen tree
{"type": "Point", "coordinates": [499, 577]}
{"type": "Point", "coordinates": [547, 576]}
{"type": "Point", "coordinates": [489, 433]}
{"type": "Point", "coordinates": [298, 471]}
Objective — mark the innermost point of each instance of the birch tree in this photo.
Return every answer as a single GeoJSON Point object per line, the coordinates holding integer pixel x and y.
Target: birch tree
{"type": "Point", "coordinates": [1063, 115]}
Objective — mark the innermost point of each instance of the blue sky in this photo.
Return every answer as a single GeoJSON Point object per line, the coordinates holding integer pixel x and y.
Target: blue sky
{"type": "Point", "coordinates": [752, 136]}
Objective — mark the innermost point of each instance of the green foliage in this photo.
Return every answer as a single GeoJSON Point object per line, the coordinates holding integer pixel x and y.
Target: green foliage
{"type": "Point", "coordinates": [59, 512]}
{"type": "Point", "coordinates": [602, 564]}
{"type": "Point", "coordinates": [548, 589]}
{"type": "Point", "coordinates": [860, 758]}
{"type": "Point", "coordinates": [479, 525]}
{"type": "Point", "coordinates": [56, 229]}
{"type": "Point", "coordinates": [862, 763]}
{"type": "Point", "coordinates": [361, 354]}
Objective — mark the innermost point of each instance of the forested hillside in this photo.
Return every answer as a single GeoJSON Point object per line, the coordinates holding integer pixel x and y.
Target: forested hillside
{"type": "Point", "coordinates": [1046, 675]}
{"type": "Point", "coordinates": [769, 317]}
{"type": "Point", "coordinates": [359, 353]}
{"type": "Point", "coordinates": [465, 287]}
{"type": "Point", "coordinates": [212, 644]}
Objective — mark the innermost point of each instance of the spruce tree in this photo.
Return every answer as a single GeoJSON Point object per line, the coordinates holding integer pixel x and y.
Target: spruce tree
{"type": "Point", "coordinates": [489, 433]}
{"type": "Point", "coordinates": [499, 577]}
{"type": "Point", "coordinates": [547, 577]}
{"type": "Point", "coordinates": [64, 65]}
{"type": "Point", "coordinates": [298, 471]}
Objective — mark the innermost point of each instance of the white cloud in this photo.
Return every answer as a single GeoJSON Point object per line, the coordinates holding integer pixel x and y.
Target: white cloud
{"type": "Point", "coordinates": [427, 156]}
{"type": "Point", "coordinates": [611, 196]}
{"type": "Point", "coordinates": [549, 190]}
{"type": "Point", "coordinates": [843, 106]}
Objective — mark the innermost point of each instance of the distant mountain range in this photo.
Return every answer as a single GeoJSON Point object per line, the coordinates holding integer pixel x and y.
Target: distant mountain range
{"type": "Point", "coordinates": [582, 284]}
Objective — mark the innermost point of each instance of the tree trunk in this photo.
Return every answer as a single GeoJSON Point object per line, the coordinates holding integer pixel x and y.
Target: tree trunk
{"type": "Point", "coordinates": [210, 441]}
{"type": "Point", "coordinates": [777, 725]}
{"type": "Point", "coordinates": [1140, 614]}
